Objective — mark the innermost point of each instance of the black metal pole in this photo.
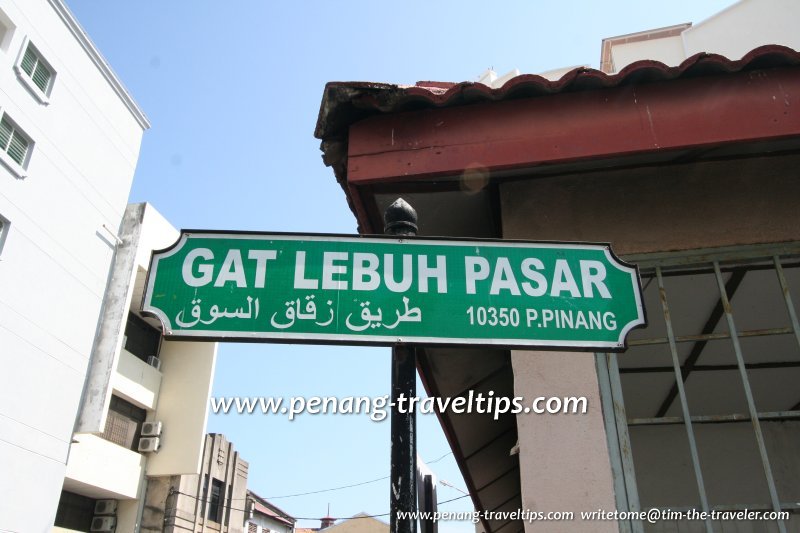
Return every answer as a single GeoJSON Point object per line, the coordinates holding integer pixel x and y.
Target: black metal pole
{"type": "Point", "coordinates": [400, 219]}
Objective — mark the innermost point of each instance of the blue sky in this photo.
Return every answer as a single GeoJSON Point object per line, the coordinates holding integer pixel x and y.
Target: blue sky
{"type": "Point", "coordinates": [233, 91]}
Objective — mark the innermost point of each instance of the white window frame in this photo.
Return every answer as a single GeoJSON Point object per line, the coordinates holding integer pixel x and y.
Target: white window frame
{"type": "Point", "coordinates": [5, 225]}
{"type": "Point", "coordinates": [42, 96]}
{"type": "Point", "coordinates": [17, 169]}
{"type": "Point", "coordinates": [10, 27]}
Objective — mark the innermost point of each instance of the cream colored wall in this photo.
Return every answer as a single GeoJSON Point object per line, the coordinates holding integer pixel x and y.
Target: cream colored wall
{"type": "Point", "coordinates": [136, 381]}
{"type": "Point", "coordinates": [127, 511]}
{"type": "Point", "coordinates": [98, 463]}
{"type": "Point", "coordinates": [188, 373]}
{"type": "Point", "coordinates": [564, 459]}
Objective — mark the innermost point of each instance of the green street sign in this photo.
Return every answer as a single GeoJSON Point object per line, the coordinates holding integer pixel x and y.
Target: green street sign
{"type": "Point", "coordinates": [354, 290]}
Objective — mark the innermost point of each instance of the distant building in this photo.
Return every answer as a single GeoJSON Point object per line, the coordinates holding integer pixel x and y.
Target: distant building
{"type": "Point", "coordinates": [143, 418]}
{"type": "Point", "coordinates": [70, 135]}
{"type": "Point", "coordinates": [212, 501]}
{"type": "Point", "coordinates": [266, 517]}
{"type": "Point", "coordinates": [360, 523]}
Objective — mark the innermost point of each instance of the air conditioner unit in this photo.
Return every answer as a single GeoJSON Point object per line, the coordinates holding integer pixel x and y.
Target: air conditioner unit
{"type": "Point", "coordinates": [103, 523]}
{"type": "Point", "coordinates": [154, 361]}
{"type": "Point", "coordinates": [151, 429]}
{"type": "Point", "coordinates": [149, 444]}
{"type": "Point", "coordinates": [105, 507]}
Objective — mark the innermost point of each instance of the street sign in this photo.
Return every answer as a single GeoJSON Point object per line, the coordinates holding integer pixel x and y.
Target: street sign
{"type": "Point", "coordinates": [358, 290]}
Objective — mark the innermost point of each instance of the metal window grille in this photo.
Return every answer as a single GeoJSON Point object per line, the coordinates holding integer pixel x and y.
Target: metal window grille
{"type": "Point", "coordinates": [703, 410]}
{"type": "Point", "coordinates": [123, 423]}
{"type": "Point", "coordinates": [119, 429]}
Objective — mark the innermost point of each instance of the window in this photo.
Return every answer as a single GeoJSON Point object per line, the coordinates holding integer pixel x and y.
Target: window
{"type": "Point", "coordinates": [6, 31]}
{"type": "Point", "coordinates": [215, 503]}
{"type": "Point", "coordinates": [142, 339]}
{"type": "Point", "coordinates": [705, 401]}
{"type": "Point", "coordinates": [124, 423]}
{"type": "Point", "coordinates": [15, 146]}
{"type": "Point", "coordinates": [35, 73]}
{"type": "Point", "coordinates": [74, 511]}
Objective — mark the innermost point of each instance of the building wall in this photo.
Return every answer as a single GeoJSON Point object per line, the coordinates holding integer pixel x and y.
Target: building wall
{"type": "Point", "coordinates": [653, 209]}
{"type": "Point", "coordinates": [668, 50]}
{"type": "Point", "coordinates": [188, 369]}
{"type": "Point", "coordinates": [176, 394]}
{"type": "Point", "coordinates": [55, 261]}
{"type": "Point", "coordinates": [187, 506]}
{"type": "Point", "coordinates": [733, 32]}
{"type": "Point", "coordinates": [360, 523]}
{"type": "Point", "coordinates": [645, 211]}
{"type": "Point", "coordinates": [743, 26]}
{"type": "Point", "coordinates": [260, 523]}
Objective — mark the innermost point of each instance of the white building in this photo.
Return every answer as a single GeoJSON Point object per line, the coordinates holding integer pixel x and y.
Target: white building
{"type": "Point", "coordinates": [732, 33]}
{"type": "Point", "coordinates": [143, 419]}
{"type": "Point", "coordinates": [69, 142]}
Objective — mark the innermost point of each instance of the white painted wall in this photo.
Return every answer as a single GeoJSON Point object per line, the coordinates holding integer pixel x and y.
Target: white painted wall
{"type": "Point", "coordinates": [112, 471]}
{"type": "Point", "coordinates": [54, 265]}
{"type": "Point", "coordinates": [136, 381]}
{"type": "Point", "coordinates": [267, 524]}
{"type": "Point", "coordinates": [733, 32]}
{"type": "Point", "coordinates": [746, 25]}
{"type": "Point", "coordinates": [668, 50]}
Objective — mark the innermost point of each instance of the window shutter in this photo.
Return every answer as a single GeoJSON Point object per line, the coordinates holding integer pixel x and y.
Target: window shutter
{"type": "Point", "coordinates": [18, 148]}
{"type": "Point", "coordinates": [5, 133]}
{"type": "Point", "coordinates": [33, 66]}
{"type": "Point", "coordinates": [29, 61]}
{"type": "Point", "coordinates": [41, 77]}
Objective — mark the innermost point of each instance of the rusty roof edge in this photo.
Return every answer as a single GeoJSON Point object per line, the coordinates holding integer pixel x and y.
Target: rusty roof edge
{"type": "Point", "coordinates": [344, 103]}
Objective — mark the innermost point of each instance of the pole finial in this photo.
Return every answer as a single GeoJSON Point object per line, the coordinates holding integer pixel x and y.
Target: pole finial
{"type": "Point", "coordinates": [400, 219]}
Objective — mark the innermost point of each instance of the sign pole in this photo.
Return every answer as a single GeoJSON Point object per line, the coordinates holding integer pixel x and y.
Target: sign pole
{"type": "Point", "coordinates": [400, 219]}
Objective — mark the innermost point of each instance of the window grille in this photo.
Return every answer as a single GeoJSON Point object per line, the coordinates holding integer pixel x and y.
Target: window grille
{"type": "Point", "coordinates": [124, 423]}
{"type": "Point", "coordinates": [703, 410]}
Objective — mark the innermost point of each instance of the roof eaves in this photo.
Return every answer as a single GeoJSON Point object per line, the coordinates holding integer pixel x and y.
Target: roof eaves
{"type": "Point", "coordinates": [345, 103]}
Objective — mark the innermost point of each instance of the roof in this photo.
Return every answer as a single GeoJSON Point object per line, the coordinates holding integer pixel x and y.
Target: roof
{"type": "Point", "coordinates": [354, 104]}
{"type": "Point", "coordinates": [344, 103]}
{"type": "Point", "coordinates": [260, 505]}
